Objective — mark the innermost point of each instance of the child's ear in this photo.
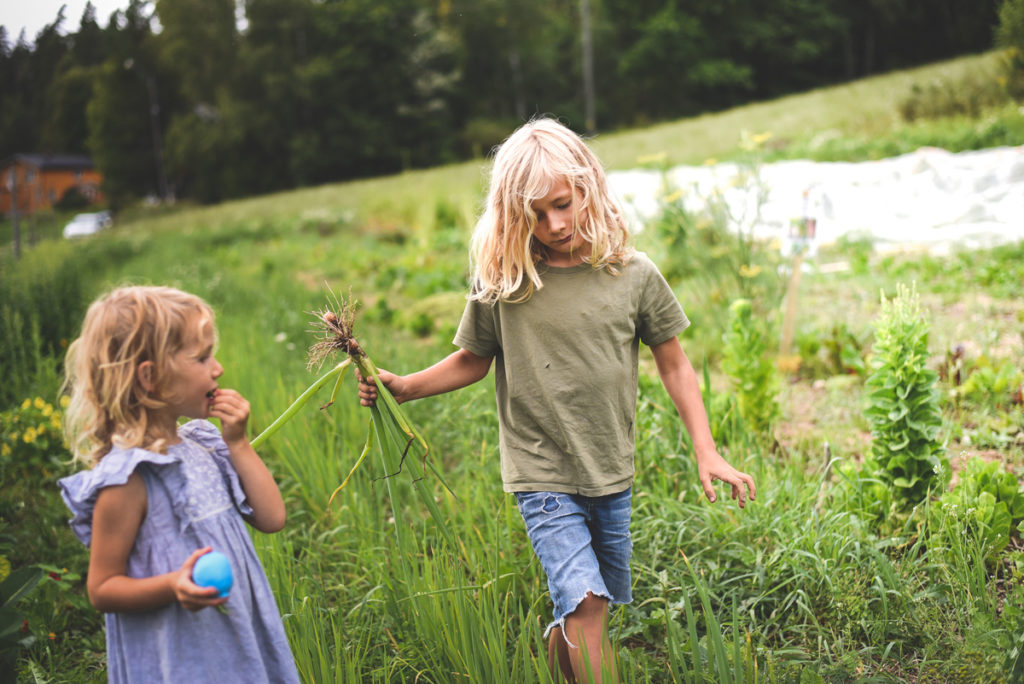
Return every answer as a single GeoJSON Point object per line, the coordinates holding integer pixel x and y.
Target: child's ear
{"type": "Point", "coordinates": [145, 374]}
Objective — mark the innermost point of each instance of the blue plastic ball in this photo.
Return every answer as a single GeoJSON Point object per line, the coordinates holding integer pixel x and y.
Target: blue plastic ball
{"type": "Point", "coordinates": [213, 569]}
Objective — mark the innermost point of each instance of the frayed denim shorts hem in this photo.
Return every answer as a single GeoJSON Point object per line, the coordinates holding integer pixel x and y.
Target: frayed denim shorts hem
{"type": "Point", "coordinates": [583, 545]}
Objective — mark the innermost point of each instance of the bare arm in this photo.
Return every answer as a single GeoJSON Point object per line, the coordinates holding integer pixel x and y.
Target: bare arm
{"type": "Point", "coordinates": [116, 519]}
{"type": "Point", "coordinates": [259, 485]}
{"type": "Point", "coordinates": [457, 370]}
{"type": "Point", "coordinates": [680, 381]}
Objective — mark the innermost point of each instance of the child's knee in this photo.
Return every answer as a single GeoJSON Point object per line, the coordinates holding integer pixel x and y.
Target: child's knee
{"type": "Point", "coordinates": [591, 606]}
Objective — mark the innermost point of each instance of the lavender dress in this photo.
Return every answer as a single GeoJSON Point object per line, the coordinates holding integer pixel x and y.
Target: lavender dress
{"type": "Point", "coordinates": [195, 499]}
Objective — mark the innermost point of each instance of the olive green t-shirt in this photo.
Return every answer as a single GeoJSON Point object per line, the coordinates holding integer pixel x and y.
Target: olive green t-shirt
{"type": "Point", "coordinates": [566, 372]}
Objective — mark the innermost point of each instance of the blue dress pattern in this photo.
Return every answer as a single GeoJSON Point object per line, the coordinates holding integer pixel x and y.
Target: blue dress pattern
{"type": "Point", "coordinates": [195, 499]}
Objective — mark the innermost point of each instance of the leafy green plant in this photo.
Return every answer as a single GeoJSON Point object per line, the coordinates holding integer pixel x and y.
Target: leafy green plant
{"type": "Point", "coordinates": [970, 94]}
{"type": "Point", "coordinates": [989, 497]}
{"type": "Point", "coordinates": [752, 373]}
{"type": "Point", "coordinates": [42, 299]}
{"type": "Point", "coordinates": [14, 587]}
{"type": "Point", "coordinates": [903, 404]}
{"type": "Point", "coordinates": [1010, 35]}
{"type": "Point", "coordinates": [990, 386]}
{"type": "Point", "coordinates": [31, 441]}
{"type": "Point", "coordinates": [836, 351]}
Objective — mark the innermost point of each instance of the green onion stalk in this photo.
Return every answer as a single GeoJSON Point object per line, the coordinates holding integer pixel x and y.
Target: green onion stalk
{"type": "Point", "coordinates": [391, 432]}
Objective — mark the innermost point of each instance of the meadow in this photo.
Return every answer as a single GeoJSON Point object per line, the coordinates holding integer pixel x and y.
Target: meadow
{"type": "Point", "coordinates": [887, 444]}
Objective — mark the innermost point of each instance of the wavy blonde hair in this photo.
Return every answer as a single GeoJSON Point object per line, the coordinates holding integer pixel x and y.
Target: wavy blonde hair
{"type": "Point", "coordinates": [122, 329]}
{"type": "Point", "coordinates": [536, 157]}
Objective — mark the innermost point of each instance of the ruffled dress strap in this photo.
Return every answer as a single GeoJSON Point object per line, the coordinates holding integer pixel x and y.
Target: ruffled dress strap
{"type": "Point", "coordinates": [206, 435]}
{"type": "Point", "coordinates": [81, 490]}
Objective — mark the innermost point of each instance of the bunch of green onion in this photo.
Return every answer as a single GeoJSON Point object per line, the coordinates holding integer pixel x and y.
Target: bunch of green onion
{"type": "Point", "coordinates": [390, 432]}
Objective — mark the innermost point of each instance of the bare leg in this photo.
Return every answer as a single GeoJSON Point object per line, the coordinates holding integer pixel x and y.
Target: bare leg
{"type": "Point", "coordinates": [558, 656]}
{"type": "Point", "coordinates": [587, 627]}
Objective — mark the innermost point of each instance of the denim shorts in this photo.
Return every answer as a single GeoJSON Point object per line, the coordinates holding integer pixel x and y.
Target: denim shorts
{"type": "Point", "coordinates": [582, 543]}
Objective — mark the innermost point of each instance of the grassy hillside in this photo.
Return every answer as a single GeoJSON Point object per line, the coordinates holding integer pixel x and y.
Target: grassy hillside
{"type": "Point", "coordinates": [834, 573]}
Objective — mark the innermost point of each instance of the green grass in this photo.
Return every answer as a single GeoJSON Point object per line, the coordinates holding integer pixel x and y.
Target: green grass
{"type": "Point", "coordinates": [799, 586]}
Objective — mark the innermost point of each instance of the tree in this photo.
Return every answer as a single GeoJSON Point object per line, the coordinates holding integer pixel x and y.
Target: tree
{"type": "Point", "coordinates": [123, 114]}
{"type": "Point", "coordinates": [1010, 35]}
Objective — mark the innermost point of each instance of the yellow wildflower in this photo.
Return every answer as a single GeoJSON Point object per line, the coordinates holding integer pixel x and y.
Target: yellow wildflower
{"type": "Point", "coordinates": [64, 401]}
{"type": "Point", "coordinates": [5, 450]}
{"type": "Point", "coordinates": [748, 271]}
{"type": "Point", "coordinates": [25, 404]}
{"type": "Point", "coordinates": [39, 403]}
{"type": "Point", "coordinates": [47, 411]}
{"type": "Point", "coordinates": [30, 435]}
{"type": "Point", "coordinates": [674, 197]}
{"type": "Point", "coordinates": [655, 158]}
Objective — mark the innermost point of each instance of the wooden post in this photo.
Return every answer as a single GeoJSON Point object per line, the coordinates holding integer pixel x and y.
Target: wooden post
{"type": "Point", "coordinates": [789, 319]}
{"type": "Point", "coordinates": [13, 184]}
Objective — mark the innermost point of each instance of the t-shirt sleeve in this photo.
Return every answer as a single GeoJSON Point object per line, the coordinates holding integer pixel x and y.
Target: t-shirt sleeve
{"type": "Point", "coordinates": [661, 316]}
{"type": "Point", "coordinates": [478, 331]}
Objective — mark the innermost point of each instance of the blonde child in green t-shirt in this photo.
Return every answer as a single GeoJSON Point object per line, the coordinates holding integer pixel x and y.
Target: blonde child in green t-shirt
{"type": "Point", "coordinates": [560, 303]}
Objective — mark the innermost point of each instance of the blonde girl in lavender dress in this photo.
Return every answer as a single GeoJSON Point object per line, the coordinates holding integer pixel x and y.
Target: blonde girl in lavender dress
{"type": "Point", "coordinates": [159, 495]}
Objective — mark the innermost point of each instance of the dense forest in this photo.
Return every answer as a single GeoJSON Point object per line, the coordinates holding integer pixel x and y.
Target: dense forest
{"type": "Point", "coordinates": [212, 99]}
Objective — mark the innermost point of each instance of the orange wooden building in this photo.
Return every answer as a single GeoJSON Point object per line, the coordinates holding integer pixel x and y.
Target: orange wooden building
{"type": "Point", "coordinates": [38, 181]}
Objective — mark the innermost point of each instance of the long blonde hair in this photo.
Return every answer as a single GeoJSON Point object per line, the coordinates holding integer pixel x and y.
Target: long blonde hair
{"type": "Point", "coordinates": [528, 164]}
{"type": "Point", "coordinates": [122, 329]}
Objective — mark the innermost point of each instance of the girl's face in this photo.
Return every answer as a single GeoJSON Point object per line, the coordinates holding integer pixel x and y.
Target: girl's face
{"type": "Point", "coordinates": [557, 229]}
{"type": "Point", "coordinates": [193, 376]}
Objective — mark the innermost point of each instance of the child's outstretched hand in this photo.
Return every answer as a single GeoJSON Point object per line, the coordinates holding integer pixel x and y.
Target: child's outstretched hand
{"type": "Point", "coordinates": [233, 411]}
{"type": "Point", "coordinates": [190, 595]}
{"type": "Point", "coordinates": [712, 466]}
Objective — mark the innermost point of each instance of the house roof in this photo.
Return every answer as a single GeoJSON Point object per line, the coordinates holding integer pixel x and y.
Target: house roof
{"type": "Point", "coordinates": [50, 161]}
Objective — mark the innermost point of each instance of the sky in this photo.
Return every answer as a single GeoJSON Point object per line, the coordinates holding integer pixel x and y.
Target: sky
{"type": "Point", "coordinates": [33, 15]}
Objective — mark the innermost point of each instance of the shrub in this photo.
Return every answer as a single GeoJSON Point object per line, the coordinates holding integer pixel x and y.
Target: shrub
{"type": "Point", "coordinates": [1010, 34]}
{"type": "Point", "coordinates": [752, 373]}
{"type": "Point", "coordinates": [43, 299]}
{"type": "Point", "coordinates": [969, 96]}
{"type": "Point", "coordinates": [31, 441]}
{"type": "Point", "coordinates": [989, 498]}
{"type": "Point", "coordinates": [904, 410]}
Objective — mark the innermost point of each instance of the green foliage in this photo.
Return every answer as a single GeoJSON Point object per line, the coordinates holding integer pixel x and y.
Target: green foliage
{"type": "Point", "coordinates": [1003, 126]}
{"type": "Point", "coordinates": [989, 385]}
{"type": "Point", "coordinates": [989, 499]}
{"type": "Point", "coordinates": [903, 404]}
{"type": "Point", "coordinates": [1010, 35]}
{"type": "Point", "coordinates": [42, 300]}
{"type": "Point", "coordinates": [31, 441]}
{"type": "Point", "coordinates": [969, 95]}
{"type": "Point", "coordinates": [14, 586]}
{"type": "Point", "coordinates": [712, 249]}
{"type": "Point", "coordinates": [837, 351]}
{"type": "Point", "coordinates": [746, 361]}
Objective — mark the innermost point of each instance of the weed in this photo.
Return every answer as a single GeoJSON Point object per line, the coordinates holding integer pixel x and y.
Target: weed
{"type": "Point", "coordinates": [907, 451]}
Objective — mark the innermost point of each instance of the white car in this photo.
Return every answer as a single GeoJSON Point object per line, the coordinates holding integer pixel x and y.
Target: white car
{"type": "Point", "coordinates": [87, 224]}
